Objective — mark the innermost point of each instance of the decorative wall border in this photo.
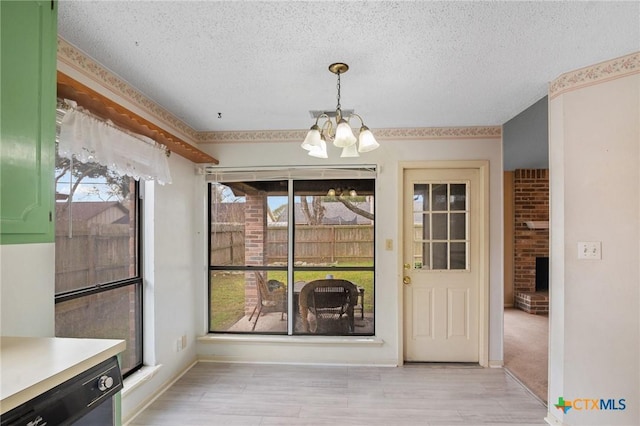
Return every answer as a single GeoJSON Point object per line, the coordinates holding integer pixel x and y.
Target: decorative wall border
{"type": "Point", "coordinates": [79, 61]}
{"type": "Point", "coordinates": [594, 74]}
{"type": "Point", "coordinates": [419, 133]}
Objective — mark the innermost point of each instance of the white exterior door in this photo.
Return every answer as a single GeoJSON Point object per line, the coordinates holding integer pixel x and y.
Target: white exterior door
{"type": "Point", "coordinates": [441, 275]}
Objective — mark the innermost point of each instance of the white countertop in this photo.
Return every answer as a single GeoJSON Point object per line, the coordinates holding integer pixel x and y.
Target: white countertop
{"type": "Point", "coordinates": [30, 366]}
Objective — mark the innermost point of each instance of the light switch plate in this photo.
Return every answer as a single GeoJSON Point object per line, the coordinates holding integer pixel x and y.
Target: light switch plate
{"type": "Point", "coordinates": [590, 250]}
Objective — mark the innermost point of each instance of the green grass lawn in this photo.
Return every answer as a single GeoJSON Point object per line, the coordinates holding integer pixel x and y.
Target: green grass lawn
{"type": "Point", "coordinates": [227, 296]}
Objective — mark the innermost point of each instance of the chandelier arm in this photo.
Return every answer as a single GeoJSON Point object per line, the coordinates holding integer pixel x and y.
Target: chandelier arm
{"type": "Point", "coordinates": [327, 125]}
{"type": "Point", "coordinates": [355, 115]}
{"type": "Point", "coordinates": [325, 116]}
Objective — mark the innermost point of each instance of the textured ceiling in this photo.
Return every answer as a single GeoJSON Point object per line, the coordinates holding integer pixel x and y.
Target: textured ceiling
{"type": "Point", "coordinates": [263, 65]}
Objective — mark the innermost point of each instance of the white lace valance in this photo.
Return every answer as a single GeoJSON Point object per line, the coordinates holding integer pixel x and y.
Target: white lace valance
{"type": "Point", "coordinates": [90, 139]}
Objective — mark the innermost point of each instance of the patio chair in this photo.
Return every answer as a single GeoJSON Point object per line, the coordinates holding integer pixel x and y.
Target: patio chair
{"type": "Point", "coordinates": [274, 300]}
{"type": "Point", "coordinates": [331, 301]}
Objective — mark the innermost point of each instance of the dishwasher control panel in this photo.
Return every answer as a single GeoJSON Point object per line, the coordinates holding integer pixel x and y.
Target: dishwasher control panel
{"type": "Point", "coordinates": [71, 400]}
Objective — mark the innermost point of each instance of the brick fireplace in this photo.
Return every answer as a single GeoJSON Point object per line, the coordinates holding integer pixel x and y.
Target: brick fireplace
{"type": "Point", "coordinates": [531, 238]}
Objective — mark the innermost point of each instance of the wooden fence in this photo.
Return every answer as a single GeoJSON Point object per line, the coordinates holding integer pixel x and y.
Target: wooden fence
{"type": "Point", "coordinates": [96, 253]}
{"type": "Point", "coordinates": [316, 244]}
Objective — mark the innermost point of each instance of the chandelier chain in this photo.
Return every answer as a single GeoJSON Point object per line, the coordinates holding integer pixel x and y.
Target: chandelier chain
{"type": "Point", "coordinates": [338, 87]}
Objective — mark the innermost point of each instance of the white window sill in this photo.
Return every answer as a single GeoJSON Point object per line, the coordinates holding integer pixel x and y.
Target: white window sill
{"type": "Point", "coordinates": [139, 377]}
{"type": "Point", "coordinates": [292, 340]}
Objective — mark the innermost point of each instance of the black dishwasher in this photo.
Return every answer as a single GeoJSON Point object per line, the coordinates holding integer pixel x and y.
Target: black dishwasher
{"type": "Point", "coordinates": [86, 399]}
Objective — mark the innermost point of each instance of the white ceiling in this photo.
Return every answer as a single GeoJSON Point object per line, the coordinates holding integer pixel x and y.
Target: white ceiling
{"type": "Point", "coordinates": [263, 65]}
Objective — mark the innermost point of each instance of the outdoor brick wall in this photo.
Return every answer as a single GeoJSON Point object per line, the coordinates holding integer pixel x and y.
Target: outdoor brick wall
{"type": "Point", "coordinates": [255, 230]}
{"type": "Point", "coordinates": [531, 203]}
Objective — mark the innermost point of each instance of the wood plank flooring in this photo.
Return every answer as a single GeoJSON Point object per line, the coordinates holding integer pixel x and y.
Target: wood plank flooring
{"type": "Point", "coordinates": [416, 394]}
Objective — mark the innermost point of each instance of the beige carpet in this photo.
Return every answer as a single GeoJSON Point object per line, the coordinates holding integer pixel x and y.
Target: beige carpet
{"type": "Point", "coordinates": [526, 342]}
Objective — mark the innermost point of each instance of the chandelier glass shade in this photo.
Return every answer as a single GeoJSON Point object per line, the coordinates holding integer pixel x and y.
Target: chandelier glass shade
{"type": "Point", "coordinates": [340, 131]}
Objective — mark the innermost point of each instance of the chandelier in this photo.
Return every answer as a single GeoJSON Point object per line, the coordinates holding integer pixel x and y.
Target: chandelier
{"type": "Point", "coordinates": [340, 132]}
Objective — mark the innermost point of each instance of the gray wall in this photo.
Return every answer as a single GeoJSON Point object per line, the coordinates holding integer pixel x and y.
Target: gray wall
{"type": "Point", "coordinates": [525, 138]}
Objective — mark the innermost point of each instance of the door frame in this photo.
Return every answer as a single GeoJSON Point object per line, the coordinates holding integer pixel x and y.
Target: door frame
{"type": "Point", "coordinates": [483, 291]}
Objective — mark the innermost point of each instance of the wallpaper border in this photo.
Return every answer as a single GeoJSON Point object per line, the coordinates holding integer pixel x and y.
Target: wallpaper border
{"type": "Point", "coordinates": [595, 74]}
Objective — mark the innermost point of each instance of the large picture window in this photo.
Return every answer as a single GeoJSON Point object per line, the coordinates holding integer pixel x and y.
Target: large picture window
{"type": "Point", "coordinates": [98, 284]}
{"type": "Point", "coordinates": [292, 256]}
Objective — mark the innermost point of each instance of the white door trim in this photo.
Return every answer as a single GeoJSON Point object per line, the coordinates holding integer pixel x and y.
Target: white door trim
{"type": "Point", "coordinates": [483, 309]}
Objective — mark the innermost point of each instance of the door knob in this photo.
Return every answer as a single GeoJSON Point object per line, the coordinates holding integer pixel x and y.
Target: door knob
{"type": "Point", "coordinates": [406, 279]}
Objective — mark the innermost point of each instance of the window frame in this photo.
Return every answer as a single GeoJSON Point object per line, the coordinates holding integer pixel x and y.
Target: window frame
{"type": "Point", "coordinates": [136, 281]}
{"type": "Point", "coordinates": [291, 268]}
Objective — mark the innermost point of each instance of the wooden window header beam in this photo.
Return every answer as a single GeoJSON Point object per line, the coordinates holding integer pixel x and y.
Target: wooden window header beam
{"type": "Point", "coordinates": [107, 109]}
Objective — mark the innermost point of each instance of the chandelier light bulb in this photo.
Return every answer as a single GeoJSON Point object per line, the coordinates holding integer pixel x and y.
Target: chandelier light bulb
{"type": "Point", "coordinates": [350, 151]}
{"type": "Point", "coordinates": [313, 138]}
{"type": "Point", "coordinates": [319, 151]}
{"type": "Point", "coordinates": [366, 141]}
{"type": "Point", "coordinates": [344, 135]}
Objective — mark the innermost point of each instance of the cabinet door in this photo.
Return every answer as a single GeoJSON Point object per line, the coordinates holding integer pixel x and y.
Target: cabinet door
{"type": "Point", "coordinates": [27, 144]}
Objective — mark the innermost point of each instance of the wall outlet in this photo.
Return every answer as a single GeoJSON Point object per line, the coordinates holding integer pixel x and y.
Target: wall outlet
{"type": "Point", "coordinates": [388, 244]}
{"type": "Point", "coordinates": [184, 341]}
{"type": "Point", "coordinates": [590, 250]}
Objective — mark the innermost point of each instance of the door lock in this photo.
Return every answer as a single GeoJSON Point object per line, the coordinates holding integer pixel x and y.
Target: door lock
{"type": "Point", "coordinates": [406, 266]}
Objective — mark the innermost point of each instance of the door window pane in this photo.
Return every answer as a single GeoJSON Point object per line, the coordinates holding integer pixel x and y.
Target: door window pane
{"type": "Point", "coordinates": [458, 196]}
{"type": "Point", "coordinates": [440, 256]}
{"type": "Point", "coordinates": [458, 226]}
{"type": "Point", "coordinates": [440, 227]}
{"type": "Point", "coordinates": [439, 197]}
{"type": "Point", "coordinates": [458, 256]}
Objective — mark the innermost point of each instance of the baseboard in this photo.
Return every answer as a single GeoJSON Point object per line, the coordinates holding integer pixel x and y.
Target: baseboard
{"type": "Point", "coordinates": [150, 400]}
{"type": "Point", "coordinates": [525, 387]}
{"type": "Point", "coordinates": [237, 360]}
{"type": "Point", "coordinates": [552, 420]}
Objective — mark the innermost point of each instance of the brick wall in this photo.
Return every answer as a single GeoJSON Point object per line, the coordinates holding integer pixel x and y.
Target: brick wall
{"type": "Point", "coordinates": [255, 234]}
{"type": "Point", "coordinates": [531, 203]}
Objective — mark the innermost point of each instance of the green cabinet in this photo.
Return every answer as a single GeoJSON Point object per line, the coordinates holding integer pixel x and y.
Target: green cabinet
{"type": "Point", "coordinates": [27, 121]}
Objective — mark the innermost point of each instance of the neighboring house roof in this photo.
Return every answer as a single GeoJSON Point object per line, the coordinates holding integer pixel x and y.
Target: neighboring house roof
{"type": "Point", "coordinates": [335, 213]}
{"type": "Point", "coordinates": [84, 211]}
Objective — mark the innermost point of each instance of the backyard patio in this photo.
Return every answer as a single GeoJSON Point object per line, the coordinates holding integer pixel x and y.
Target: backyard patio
{"type": "Point", "coordinates": [272, 323]}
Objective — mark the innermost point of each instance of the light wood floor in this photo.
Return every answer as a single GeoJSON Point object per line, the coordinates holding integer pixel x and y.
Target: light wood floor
{"type": "Point", "coordinates": [416, 394]}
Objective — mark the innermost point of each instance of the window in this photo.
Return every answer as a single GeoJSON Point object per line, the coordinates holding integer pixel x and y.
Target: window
{"type": "Point", "coordinates": [271, 238]}
{"type": "Point", "coordinates": [441, 216]}
{"type": "Point", "coordinates": [98, 283]}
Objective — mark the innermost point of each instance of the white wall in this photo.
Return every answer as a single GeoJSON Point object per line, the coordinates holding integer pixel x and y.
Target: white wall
{"type": "Point", "coordinates": [595, 196]}
{"type": "Point", "coordinates": [27, 285]}
{"type": "Point", "coordinates": [170, 243]}
{"type": "Point", "coordinates": [386, 350]}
